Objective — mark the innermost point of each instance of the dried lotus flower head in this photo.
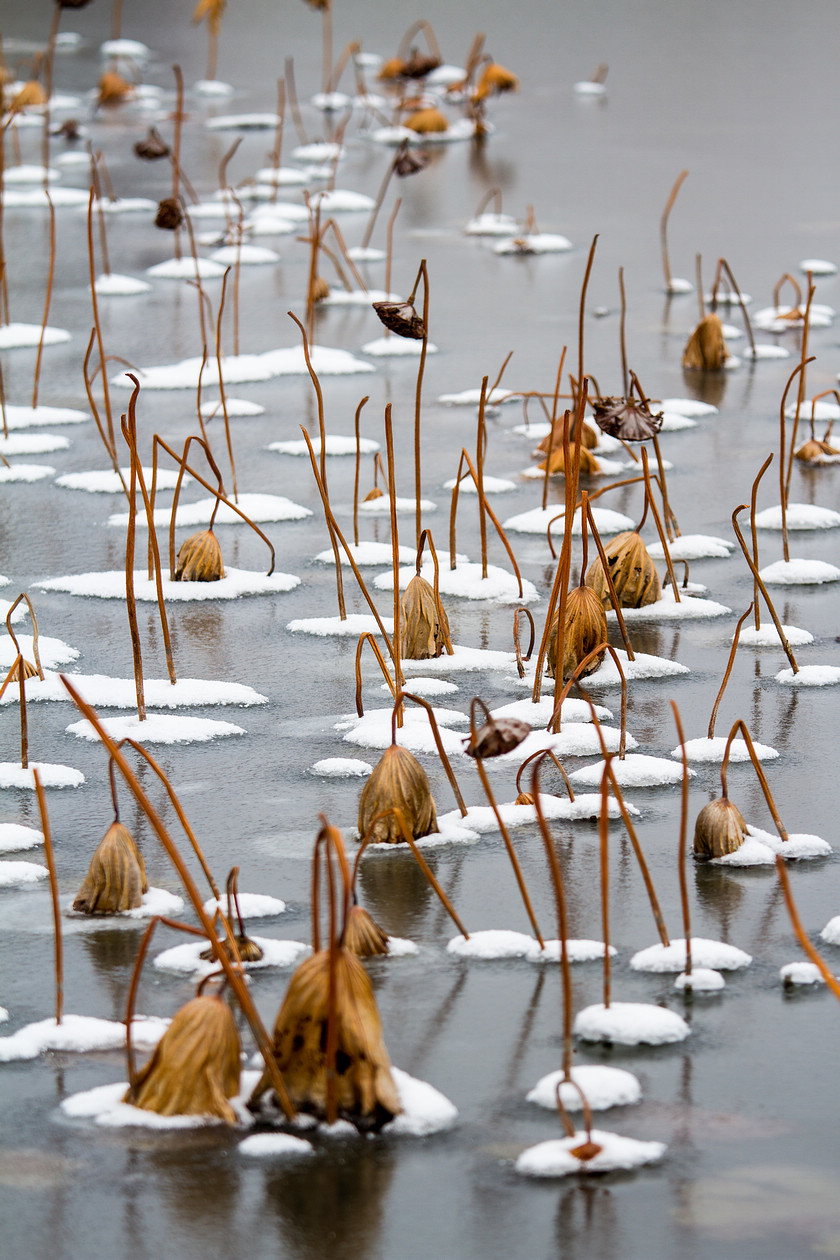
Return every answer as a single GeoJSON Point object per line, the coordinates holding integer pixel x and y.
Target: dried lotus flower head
{"type": "Point", "coordinates": [426, 121]}
{"type": "Point", "coordinates": [70, 129]}
{"type": "Point", "coordinates": [496, 737]}
{"type": "Point", "coordinates": [195, 1069]}
{"type": "Point", "coordinates": [815, 452]}
{"type": "Point", "coordinates": [401, 318]}
{"type": "Point", "coordinates": [247, 950]}
{"type": "Point", "coordinates": [113, 89]}
{"type": "Point", "coordinates": [391, 70]}
{"type": "Point", "coordinates": [365, 1090]}
{"type": "Point", "coordinates": [72, 4]}
{"type": "Point", "coordinates": [410, 161]}
{"type": "Point", "coordinates": [423, 620]}
{"type": "Point", "coordinates": [30, 96]}
{"type": "Point", "coordinates": [153, 147]}
{"type": "Point", "coordinates": [495, 79]}
{"type": "Point", "coordinates": [116, 878]}
{"type": "Point", "coordinates": [169, 214]}
{"type": "Point", "coordinates": [706, 349]}
{"type": "Point", "coordinates": [633, 573]}
{"type": "Point", "coordinates": [626, 418]}
{"type": "Point", "coordinates": [362, 934]}
{"type": "Point", "coordinates": [398, 782]}
{"type": "Point", "coordinates": [585, 626]}
{"type": "Point", "coordinates": [213, 10]}
{"type": "Point", "coordinates": [556, 462]}
{"type": "Point", "coordinates": [720, 829]}
{"type": "Point", "coordinates": [200, 559]}
{"type": "Point", "coordinates": [320, 289]}
{"type": "Point", "coordinates": [554, 438]}
{"type": "Point", "coordinates": [373, 493]}
{"type": "Point", "coordinates": [419, 65]}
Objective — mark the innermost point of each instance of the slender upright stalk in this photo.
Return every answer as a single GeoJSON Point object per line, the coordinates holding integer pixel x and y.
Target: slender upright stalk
{"type": "Point", "coordinates": [56, 908]}
{"type": "Point", "coordinates": [726, 673]}
{"type": "Point", "coordinates": [663, 229]}
{"type": "Point", "coordinates": [686, 914]}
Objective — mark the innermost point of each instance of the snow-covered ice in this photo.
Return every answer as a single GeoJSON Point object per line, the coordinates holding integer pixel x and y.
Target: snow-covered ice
{"type": "Point", "coordinates": [693, 547]}
{"type": "Point", "coordinates": [630, 1024]}
{"type": "Point", "coordinates": [14, 838]}
{"type": "Point", "coordinates": [466, 582]}
{"type": "Point", "coordinates": [704, 953]}
{"type": "Point", "coordinates": [536, 521]}
{"type": "Point", "coordinates": [604, 1087]}
{"type": "Point", "coordinates": [104, 692]}
{"type": "Point", "coordinates": [810, 676]}
{"type": "Point", "coordinates": [342, 768]}
{"type": "Point", "coordinates": [251, 905]}
{"type": "Point", "coordinates": [768, 637]}
{"type": "Point", "coordinates": [334, 444]}
{"type": "Point", "coordinates": [712, 750]}
{"type": "Point", "coordinates": [555, 1159]}
{"type": "Point", "coordinates": [798, 516]}
{"type": "Point", "coordinates": [79, 1034]}
{"type": "Point", "coordinates": [158, 728]}
{"type": "Point", "coordinates": [799, 573]}
{"type": "Point", "coordinates": [16, 874]}
{"type": "Point", "coordinates": [262, 508]}
{"type": "Point", "coordinates": [185, 959]}
{"type": "Point", "coordinates": [51, 774]}
{"type": "Point", "coordinates": [637, 770]}
{"type": "Point", "coordinates": [111, 585]}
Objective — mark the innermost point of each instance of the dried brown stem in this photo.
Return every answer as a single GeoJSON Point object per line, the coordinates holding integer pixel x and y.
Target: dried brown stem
{"type": "Point", "coordinates": [684, 832]}
{"type": "Point", "coordinates": [562, 928]}
{"type": "Point", "coordinates": [741, 726]}
{"type": "Point", "coordinates": [554, 721]}
{"type": "Point", "coordinates": [788, 650]}
{"type": "Point", "coordinates": [517, 647]}
{"type": "Point", "coordinates": [367, 637]}
{"type": "Point", "coordinates": [56, 908]}
{"type": "Point", "coordinates": [796, 922]}
{"type": "Point", "coordinates": [447, 765]}
{"type": "Point", "coordinates": [543, 753]}
{"type": "Point", "coordinates": [726, 673]}
{"type": "Point", "coordinates": [663, 228]}
{"type": "Point", "coordinates": [356, 475]}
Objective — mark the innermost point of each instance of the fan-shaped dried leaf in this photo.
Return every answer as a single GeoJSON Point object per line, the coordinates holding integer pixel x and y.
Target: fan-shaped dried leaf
{"type": "Point", "coordinates": [195, 1068]}
{"type": "Point", "coordinates": [401, 318]}
{"type": "Point", "coordinates": [153, 147]}
{"type": "Point", "coordinates": [816, 452]}
{"type": "Point", "coordinates": [200, 559]}
{"type": "Point", "coordinates": [585, 627]}
{"type": "Point", "coordinates": [116, 878]}
{"type": "Point", "coordinates": [426, 121]}
{"type": "Point", "coordinates": [425, 625]}
{"type": "Point", "coordinates": [398, 781]}
{"type": "Point", "coordinates": [366, 1093]}
{"type": "Point", "coordinates": [706, 349]}
{"type": "Point", "coordinates": [633, 572]}
{"type": "Point", "coordinates": [29, 671]}
{"type": "Point", "coordinates": [497, 736]}
{"type": "Point", "coordinates": [626, 418]}
{"type": "Point", "coordinates": [720, 829]}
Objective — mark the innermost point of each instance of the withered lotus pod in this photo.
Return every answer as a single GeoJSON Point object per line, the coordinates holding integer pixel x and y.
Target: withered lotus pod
{"type": "Point", "coordinates": [816, 452]}
{"type": "Point", "coordinates": [373, 493]}
{"type": "Point", "coordinates": [720, 829]}
{"type": "Point", "coordinates": [249, 951]}
{"type": "Point", "coordinates": [29, 671]}
{"type": "Point", "coordinates": [318, 5]}
{"type": "Point", "coordinates": [152, 147]}
{"type": "Point", "coordinates": [401, 318]}
{"type": "Point", "coordinates": [706, 349]}
{"type": "Point", "coordinates": [200, 559]}
{"type": "Point", "coordinates": [398, 781]}
{"type": "Point", "coordinates": [410, 161]}
{"type": "Point", "coordinates": [419, 65]}
{"type": "Point", "coordinates": [391, 70]}
{"type": "Point", "coordinates": [426, 121]}
{"type": "Point", "coordinates": [633, 572]}
{"type": "Point", "coordinates": [31, 94]}
{"type": "Point", "coordinates": [556, 463]}
{"type": "Point", "coordinates": [116, 878]}
{"type": "Point", "coordinates": [585, 628]}
{"type": "Point", "coordinates": [524, 798]}
{"type": "Point", "coordinates": [366, 1094]}
{"type": "Point", "coordinates": [495, 78]}
{"type": "Point", "coordinates": [195, 1068]}
{"type": "Point", "coordinates": [363, 936]}
{"type": "Point", "coordinates": [320, 289]}
{"type": "Point", "coordinates": [497, 736]}
{"type": "Point", "coordinates": [626, 418]}
{"type": "Point", "coordinates": [113, 88]}
{"type": "Point", "coordinates": [169, 214]}
{"type": "Point", "coordinates": [425, 625]}
{"type": "Point", "coordinates": [588, 437]}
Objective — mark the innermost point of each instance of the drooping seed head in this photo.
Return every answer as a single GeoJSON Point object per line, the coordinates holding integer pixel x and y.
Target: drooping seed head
{"type": "Point", "coordinates": [401, 318]}
{"type": "Point", "coordinates": [363, 936]}
{"type": "Point", "coordinates": [200, 559]}
{"type": "Point", "coordinates": [169, 214]}
{"type": "Point", "coordinates": [706, 349]}
{"type": "Point", "coordinates": [632, 570]}
{"type": "Point", "coordinates": [720, 829]}
{"type": "Point", "coordinates": [585, 626]}
{"type": "Point", "coordinates": [116, 878]}
{"type": "Point", "coordinates": [496, 737]}
{"type": "Point", "coordinates": [424, 623]}
{"type": "Point", "coordinates": [113, 89]}
{"type": "Point", "coordinates": [153, 147]}
{"type": "Point", "coordinates": [398, 782]}
{"type": "Point", "coordinates": [495, 79]}
{"type": "Point", "coordinates": [426, 121]}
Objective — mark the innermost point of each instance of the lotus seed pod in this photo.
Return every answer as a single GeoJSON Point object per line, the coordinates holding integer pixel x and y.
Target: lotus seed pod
{"type": "Point", "coordinates": [585, 626]}
{"type": "Point", "coordinates": [494, 79]}
{"type": "Point", "coordinates": [706, 349]}
{"type": "Point", "coordinates": [195, 1068]}
{"type": "Point", "coordinates": [113, 89]}
{"type": "Point", "coordinates": [116, 878]}
{"type": "Point", "coordinates": [200, 559]}
{"type": "Point", "coordinates": [169, 214]}
{"type": "Point", "coordinates": [556, 463]}
{"type": "Point", "coordinates": [423, 620]}
{"type": "Point", "coordinates": [426, 121]}
{"type": "Point", "coordinates": [496, 737]}
{"type": "Point", "coordinates": [399, 782]}
{"type": "Point", "coordinates": [401, 318]}
{"type": "Point", "coordinates": [627, 419]}
{"type": "Point", "coordinates": [720, 829]}
{"type": "Point", "coordinates": [362, 935]}
{"type": "Point", "coordinates": [633, 573]}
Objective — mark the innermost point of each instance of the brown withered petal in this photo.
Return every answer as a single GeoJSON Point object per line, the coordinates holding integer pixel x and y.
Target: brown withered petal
{"type": "Point", "coordinates": [815, 452]}
{"type": "Point", "coordinates": [497, 736]}
{"type": "Point", "coordinates": [495, 78]}
{"type": "Point", "coordinates": [398, 781]}
{"type": "Point", "coordinates": [363, 936]}
{"type": "Point", "coordinates": [425, 625]}
{"type": "Point", "coordinates": [195, 1068]}
{"type": "Point", "coordinates": [626, 418]}
{"type": "Point", "coordinates": [720, 829]}
{"type": "Point", "coordinates": [31, 94]}
{"type": "Point", "coordinates": [373, 493]}
{"type": "Point", "coordinates": [320, 289]}
{"type": "Point", "coordinates": [113, 88]}
{"type": "Point", "coordinates": [200, 559]}
{"type": "Point", "coordinates": [152, 147]}
{"type": "Point", "coordinates": [584, 628]}
{"type": "Point", "coordinates": [401, 318]}
{"type": "Point", "coordinates": [557, 462]}
{"type": "Point", "coordinates": [391, 70]}
{"type": "Point", "coordinates": [419, 65]}
{"type": "Point", "coordinates": [426, 121]}
{"type": "Point", "coordinates": [169, 214]}
{"type": "Point", "coordinates": [410, 161]}
{"type": "Point", "coordinates": [116, 878]}
{"type": "Point", "coordinates": [706, 349]}
{"type": "Point", "coordinates": [366, 1093]}
{"type": "Point", "coordinates": [249, 951]}
{"type": "Point", "coordinates": [632, 570]}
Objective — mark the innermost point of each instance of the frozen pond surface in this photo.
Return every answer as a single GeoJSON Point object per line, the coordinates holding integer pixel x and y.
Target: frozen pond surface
{"type": "Point", "coordinates": [748, 1103]}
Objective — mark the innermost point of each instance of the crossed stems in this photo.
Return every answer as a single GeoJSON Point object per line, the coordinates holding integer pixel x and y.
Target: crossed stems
{"type": "Point", "coordinates": [741, 726]}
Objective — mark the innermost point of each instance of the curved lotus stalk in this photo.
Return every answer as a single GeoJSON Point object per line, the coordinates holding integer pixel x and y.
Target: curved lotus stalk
{"type": "Point", "coordinates": [788, 650]}
{"type": "Point", "coordinates": [801, 936]}
{"type": "Point", "coordinates": [579, 672]}
{"type": "Point", "coordinates": [56, 908]}
{"type": "Point", "coordinates": [723, 267]}
{"type": "Point", "coordinates": [562, 923]}
{"type": "Point", "coordinates": [244, 998]}
{"type": "Point", "coordinates": [681, 852]}
{"type": "Point", "coordinates": [663, 230]}
{"type": "Point", "coordinates": [367, 637]}
{"type": "Point", "coordinates": [542, 752]}
{"type": "Point", "coordinates": [50, 278]}
{"type": "Point", "coordinates": [110, 441]}
{"type": "Point", "coordinates": [784, 480]}
{"type": "Point", "coordinates": [787, 278]}
{"type": "Point", "coordinates": [726, 673]}
{"type": "Point", "coordinates": [25, 598]}
{"type": "Point", "coordinates": [17, 674]}
{"type": "Point", "coordinates": [517, 646]}
{"type": "Point", "coordinates": [447, 765]}
{"type": "Point", "coordinates": [508, 843]}
{"type": "Point", "coordinates": [631, 830]}
{"type": "Point", "coordinates": [356, 423]}
{"type": "Point", "coordinates": [459, 477]}
{"type": "Point", "coordinates": [658, 521]}
{"type": "Point", "coordinates": [421, 862]}
{"type": "Point", "coordinates": [741, 726]}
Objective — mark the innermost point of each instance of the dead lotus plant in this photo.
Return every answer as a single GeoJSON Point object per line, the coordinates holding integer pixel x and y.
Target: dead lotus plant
{"type": "Point", "coordinates": [239, 945]}
{"type": "Point", "coordinates": [585, 623]}
{"type": "Point", "coordinates": [328, 1040]}
{"type": "Point", "coordinates": [424, 625]}
{"type": "Point", "coordinates": [720, 827]}
{"type": "Point", "coordinates": [116, 878]}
